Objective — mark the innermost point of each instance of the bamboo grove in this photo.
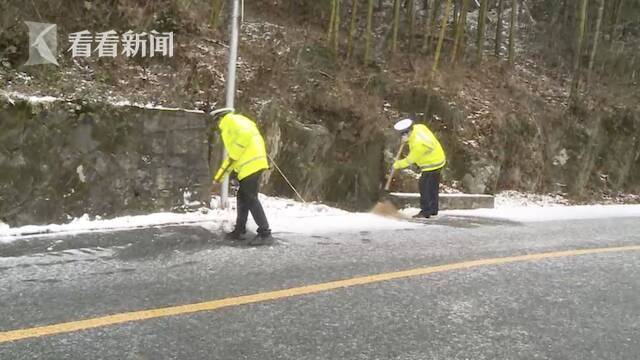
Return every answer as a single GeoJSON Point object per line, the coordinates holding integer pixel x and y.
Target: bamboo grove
{"type": "Point", "coordinates": [439, 29]}
{"type": "Point", "coordinates": [434, 22]}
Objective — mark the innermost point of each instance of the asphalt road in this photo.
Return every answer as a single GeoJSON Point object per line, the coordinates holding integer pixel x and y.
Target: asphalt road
{"type": "Point", "coordinates": [566, 307]}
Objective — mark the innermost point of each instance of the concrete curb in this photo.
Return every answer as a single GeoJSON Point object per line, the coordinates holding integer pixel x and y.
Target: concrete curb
{"type": "Point", "coordinates": [447, 201]}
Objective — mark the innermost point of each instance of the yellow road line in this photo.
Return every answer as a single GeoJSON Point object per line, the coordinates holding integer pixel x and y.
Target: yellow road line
{"type": "Point", "coordinates": [286, 293]}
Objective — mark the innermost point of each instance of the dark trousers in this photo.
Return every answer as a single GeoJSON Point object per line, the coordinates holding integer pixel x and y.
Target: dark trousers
{"type": "Point", "coordinates": [248, 202]}
{"type": "Point", "coordinates": [429, 187]}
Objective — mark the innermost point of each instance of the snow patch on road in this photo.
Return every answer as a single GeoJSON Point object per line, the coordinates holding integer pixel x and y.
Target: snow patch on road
{"type": "Point", "coordinates": [285, 216]}
{"type": "Point", "coordinates": [525, 207]}
{"type": "Point", "coordinates": [552, 213]}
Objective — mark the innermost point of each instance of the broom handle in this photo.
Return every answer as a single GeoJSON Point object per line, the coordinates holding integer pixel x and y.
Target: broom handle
{"type": "Point", "coordinates": [393, 171]}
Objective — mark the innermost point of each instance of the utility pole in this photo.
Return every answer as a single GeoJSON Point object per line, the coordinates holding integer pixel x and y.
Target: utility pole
{"type": "Point", "coordinates": [231, 88]}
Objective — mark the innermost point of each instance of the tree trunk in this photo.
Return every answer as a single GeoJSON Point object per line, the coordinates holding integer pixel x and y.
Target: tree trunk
{"type": "Point", "coordinates": [596, 38]}
{"type": "Point", "coordinates": [499, 29]}
{"type": "Point", "coordinates": [436, 60]}
{"type": "Point", "coordinates": [336, 30]}
{"type": "Point", "coordinates": [557, 10]}
{"type": "Point", "coordinates": [433, 19]}
{"type": "Point", "coordinates": [482, 17]}
{"type": "Point", "coordinates": [332, 20]}
{"type": "Point", "coordinates": [396, 25]}
{"type": "Point", "coordinates": [443, 30]}
{"type": "Point", "coordinates": [567, 10]}
{"type": "Point", "coordinates": [581, 17]}
{"type": "Point", "coordinates": [611, 18]}
{"type": "Point", "coordinates": [437, 5]}
{"type": "Point", "coordinates": [367, 42]}
{"type": "Point", "coordinates": [512, 31]}
{"type": "Point", "coordinates": [427, 27]}
{"type": "Point", "coordinates": [616, 20]}
{"type": "Point", "coordinates": [411, 16]}
{"type": "Point", "coordinates": [460, 28]}
{"type": "Point", "coordinates": [216, 9]}
{"type": "Point", "coordinates": [352, 28]}
{"type": "Point", "coordinates": [456, 10]}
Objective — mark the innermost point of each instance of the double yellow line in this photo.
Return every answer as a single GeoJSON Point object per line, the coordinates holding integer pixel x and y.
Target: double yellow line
{"type": "Point", "coordinates": [72, 326]}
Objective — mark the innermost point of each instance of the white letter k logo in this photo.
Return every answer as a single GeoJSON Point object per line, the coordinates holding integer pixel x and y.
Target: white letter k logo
{"type": "Point", "coordinates": [43, 43]}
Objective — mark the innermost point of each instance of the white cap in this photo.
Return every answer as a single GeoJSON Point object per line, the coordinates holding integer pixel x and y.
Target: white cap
{"type": "Point", "coordinates": [403, 124]}
{"type": "Point", "coordinates": [221, 111]}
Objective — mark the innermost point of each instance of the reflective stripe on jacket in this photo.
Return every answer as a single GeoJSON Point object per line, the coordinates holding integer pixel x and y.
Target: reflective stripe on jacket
{"type": "Point", "coordinates": [246, 153]}
{"type": "Point", "coordinates": [424, 150]}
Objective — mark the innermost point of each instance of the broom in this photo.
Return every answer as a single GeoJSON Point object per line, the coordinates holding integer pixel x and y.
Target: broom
{"type": "Point", "coordinates": [385, 207]}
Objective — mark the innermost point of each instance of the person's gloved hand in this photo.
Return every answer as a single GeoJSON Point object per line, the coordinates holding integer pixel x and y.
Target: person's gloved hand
{"type": "Point", "coordinates": [397, 165]}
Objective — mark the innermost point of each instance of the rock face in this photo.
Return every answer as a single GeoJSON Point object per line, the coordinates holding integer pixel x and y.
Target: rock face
{"type": "Point", "coordinates": [60, 160]}
{"type": "Point", "coordinates": [598, 151]}
{"type": "Point", "coordinates": [585, 154]}
{"type": "Point", "coordinates": [338, 162]}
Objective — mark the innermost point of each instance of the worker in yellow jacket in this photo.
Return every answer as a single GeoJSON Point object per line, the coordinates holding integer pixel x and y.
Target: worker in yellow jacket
{"type": "Point", "coordinates": [427, 154]}
{"type": "Point", "coordinates": [247, 157]}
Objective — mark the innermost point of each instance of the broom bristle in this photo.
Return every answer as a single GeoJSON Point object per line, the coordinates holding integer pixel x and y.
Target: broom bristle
{"type": "Point", "coordinates": [386, 209]}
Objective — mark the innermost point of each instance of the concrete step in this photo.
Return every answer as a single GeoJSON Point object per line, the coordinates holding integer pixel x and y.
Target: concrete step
{"type": "Point", "coordinates": [447, 201]}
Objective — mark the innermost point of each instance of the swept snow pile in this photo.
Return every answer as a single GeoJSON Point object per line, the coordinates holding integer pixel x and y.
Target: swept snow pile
{"type": "Point", "coordinates": [294, 217]}
{"type": "Point", "coordinates": [285, 216]}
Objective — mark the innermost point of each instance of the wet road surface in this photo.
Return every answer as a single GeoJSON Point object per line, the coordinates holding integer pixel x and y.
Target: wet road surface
{"type": "Point", "coordinates": [571, 307]}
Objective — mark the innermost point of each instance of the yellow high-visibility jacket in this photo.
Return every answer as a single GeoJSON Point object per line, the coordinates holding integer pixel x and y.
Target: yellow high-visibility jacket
{"type": "Point", "coordinates": [424, 150]}
{"type": "Point", "coordinates": [246, 153]}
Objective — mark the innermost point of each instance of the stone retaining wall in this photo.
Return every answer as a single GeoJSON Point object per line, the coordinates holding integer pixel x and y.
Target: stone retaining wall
{"type": "Point", "coordinates": [60, 160]}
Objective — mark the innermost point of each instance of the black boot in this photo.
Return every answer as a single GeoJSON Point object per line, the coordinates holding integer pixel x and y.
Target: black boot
{"type": "Point", "coordinates": [421, 215]}
{"type": "Point", "coordinates": [262, 239]}
{"type": "Point", "coordinates": [235, 235]}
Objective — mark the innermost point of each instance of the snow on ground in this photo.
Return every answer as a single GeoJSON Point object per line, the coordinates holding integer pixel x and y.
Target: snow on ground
{"type": "Point", "coordinates": [517, 199]}
{"type": "Point", "coordinates": [552, 213]}
{"type": "Point", "coordinates": [34, 99]}
{"type": "Point", "coordinates": [153, 106]}
{"type": "Point", "coordinates": [48, 99]}
{"type": "Point", "coordinates": [524, 207]}
{"type": "Point", "coordinates": [288, 216]}
{"type": "Point", "coordinates": [285, 216]}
